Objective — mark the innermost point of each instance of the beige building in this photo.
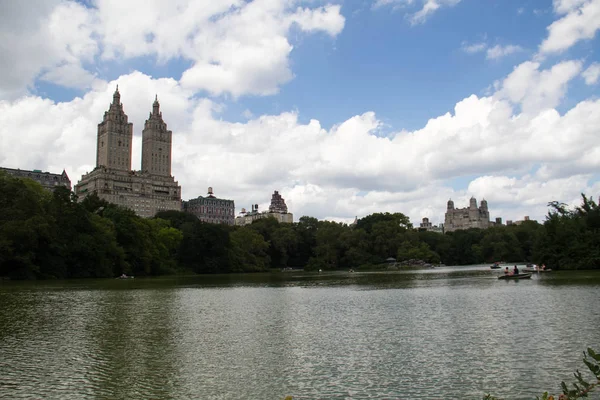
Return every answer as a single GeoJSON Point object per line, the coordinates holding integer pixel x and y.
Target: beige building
{"type": "Point", "coordinates": [466, 218]}
{"type": "Point", "coordinates": [146, 192]}
{"type": "Point", "coordinates": [278, 210]}
{"type": "Point", "coordinates": [47, 179]}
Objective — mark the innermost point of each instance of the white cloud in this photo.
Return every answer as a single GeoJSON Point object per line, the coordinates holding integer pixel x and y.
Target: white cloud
{"type": "Point", "coordinates": [592, 74]}
{"type": "Point", "coordinates": [499, 51]}
{"type": "Point", "coordinates": [567, 6]}
{"type": "Point", "coordinates": [537, 90]}
{"type": "Point", "coordinates": [69, 75]}
{"type": "Point", "coordinates": [235, 47]}
{"type": "Point", "coordinates": [41, 37]}
{"type": "Point", "coordinates": [428, 7]}
{"type": "Point", "coordinates": [474, 48]}
{"type": "Point", "coordinates": [492, 53]}
{"type": "Point", "coordinates": [581, 21]}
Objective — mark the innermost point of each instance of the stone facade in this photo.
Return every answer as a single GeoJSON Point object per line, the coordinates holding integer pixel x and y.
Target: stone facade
{"type": "Point", "coordinates": [466, 218]}
{"type": "Point", "coordinates": [146, 192]}
{"type": "Point", "coordinates": [278, 210]}
{"type": "Point", "coordinates": [211, 209]}
{"type": "Point", "coordinates": [47, 179]}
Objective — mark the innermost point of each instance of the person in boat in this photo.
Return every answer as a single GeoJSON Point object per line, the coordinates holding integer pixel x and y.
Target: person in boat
{"type": "Point", "coordinates": [515, 270]}
{"type": "Point", "coordinates": [543, 267]}
{"type": "Point", "coordinates": [506, 271]}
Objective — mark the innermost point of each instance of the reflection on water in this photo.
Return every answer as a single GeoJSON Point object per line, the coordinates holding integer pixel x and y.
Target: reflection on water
{"type": "Point", "coordinates": [455, 332]}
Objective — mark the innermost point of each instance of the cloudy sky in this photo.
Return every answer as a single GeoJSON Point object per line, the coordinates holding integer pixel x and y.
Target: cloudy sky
{"type": "Point", "coordinates": [347, 107]}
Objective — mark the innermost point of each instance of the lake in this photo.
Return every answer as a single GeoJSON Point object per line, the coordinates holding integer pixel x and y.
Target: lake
{"type": "Point", "coordinates": [449, 332]}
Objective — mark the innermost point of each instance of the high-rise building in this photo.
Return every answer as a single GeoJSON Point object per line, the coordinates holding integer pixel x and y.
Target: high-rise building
{"type": "Point", "coordinates": [146, 192]}
{"type": "Point", "coordinates": [211, 209]}
{"type": "Point", "coordinates": [156, 144]}
{"type": "Point", "coordinates": [277, 204]}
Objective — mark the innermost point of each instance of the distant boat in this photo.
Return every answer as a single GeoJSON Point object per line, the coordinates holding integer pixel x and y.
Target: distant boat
{"type": "Point", "coordinates": [515, 276]}
{"type": "Point", "coordinates": [125, 277]}
{"type": "Point", "coordinates": [495, 266]}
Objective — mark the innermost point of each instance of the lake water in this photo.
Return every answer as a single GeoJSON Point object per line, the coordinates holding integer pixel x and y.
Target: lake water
{"type": "Point", "coordinates": [450, 332]}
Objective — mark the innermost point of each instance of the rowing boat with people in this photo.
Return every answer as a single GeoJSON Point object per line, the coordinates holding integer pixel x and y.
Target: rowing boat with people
{"type": "Point", "coordinates": [515, 276]}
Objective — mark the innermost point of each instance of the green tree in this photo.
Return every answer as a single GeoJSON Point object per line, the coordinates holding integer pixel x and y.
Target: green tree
{"type": "Point", "coordinates": [285, 244]}
{"type": "Point", "coordinates": [25, 227]}
{"type": "Point", "coordinates": [205, 248]}
{"type": "Point", "coordinates": [327, 253]}
{"type": "Point", "coordinates": [248, 251]}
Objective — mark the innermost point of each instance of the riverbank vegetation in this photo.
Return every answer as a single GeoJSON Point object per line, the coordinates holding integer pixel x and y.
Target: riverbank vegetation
{"type": "Point", "coordinates": [51, 235]}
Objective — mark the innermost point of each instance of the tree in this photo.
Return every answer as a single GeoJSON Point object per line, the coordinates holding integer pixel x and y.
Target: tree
{"type": "Point", "coordinates": [205, 248]}
{"type": "Point", "coordinates": [248, 251]}
{"type": "Point", "coordinates": [327, 253]}
{"type": "Point", "coordinates": [285, 244]}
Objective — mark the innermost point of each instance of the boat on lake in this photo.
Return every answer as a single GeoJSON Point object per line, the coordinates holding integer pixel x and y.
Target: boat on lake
{"type": "Point", "coordinates": [515, 276]}
{"type": "Point", "coordinates": [495, 266]}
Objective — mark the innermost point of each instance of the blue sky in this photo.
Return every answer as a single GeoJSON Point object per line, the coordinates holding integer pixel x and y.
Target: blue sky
{"type": "Point", "coordinates": [411, 102]}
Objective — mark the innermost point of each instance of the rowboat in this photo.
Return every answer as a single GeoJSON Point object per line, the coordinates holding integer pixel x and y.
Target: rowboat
{"type": "Point", "coordinates": [515, 276]}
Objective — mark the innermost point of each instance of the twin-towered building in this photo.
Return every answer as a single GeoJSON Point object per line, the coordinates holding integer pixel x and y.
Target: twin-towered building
{"type": "Point", "coordinates": [153, 188]}
{"type": "Point", "coordinates": [147, 191]}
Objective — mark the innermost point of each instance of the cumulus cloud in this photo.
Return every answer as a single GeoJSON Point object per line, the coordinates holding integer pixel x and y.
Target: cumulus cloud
{"type": "Point", "coordinates": [592, 74]}
{"type": "Point", "coordinates": [234, 47]}
{"type": "Point", "coordinates": [580, 20]}
{"type": "Point", "coordinates": [536, 90]}
{"type": "Point", "coordinates": [50, 37]}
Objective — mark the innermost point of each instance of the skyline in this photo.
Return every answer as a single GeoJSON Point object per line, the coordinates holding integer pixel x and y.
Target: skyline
{"type": "Point", "coordinates": [344, 108]}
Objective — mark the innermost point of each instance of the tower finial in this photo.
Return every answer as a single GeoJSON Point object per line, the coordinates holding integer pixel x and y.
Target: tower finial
{"type": "Point", "coordinates": [117, 96]}
{"type": "Point", "coordinates": [155, 106]}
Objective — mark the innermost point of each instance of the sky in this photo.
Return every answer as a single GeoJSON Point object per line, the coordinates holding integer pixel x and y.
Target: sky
{"type": "Point", "coordinates": [347, 108]}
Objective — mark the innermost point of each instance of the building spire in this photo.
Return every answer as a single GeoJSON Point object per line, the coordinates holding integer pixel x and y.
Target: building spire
{"type": "Point", "coordinates": [155, 106]}
{"type": "Point", "coordinates": [117, 96]}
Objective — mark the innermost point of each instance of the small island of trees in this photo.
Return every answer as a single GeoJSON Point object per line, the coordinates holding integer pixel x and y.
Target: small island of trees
{"type": "Point", "coordinates": [46, 235]}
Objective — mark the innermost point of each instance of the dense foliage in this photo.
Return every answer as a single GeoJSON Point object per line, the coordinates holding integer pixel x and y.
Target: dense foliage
{"type": "Point", "coordinates": [51, 235]}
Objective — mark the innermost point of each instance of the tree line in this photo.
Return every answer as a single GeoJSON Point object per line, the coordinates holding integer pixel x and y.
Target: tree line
{"type": "Point", "coordinates": [45, 235]}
